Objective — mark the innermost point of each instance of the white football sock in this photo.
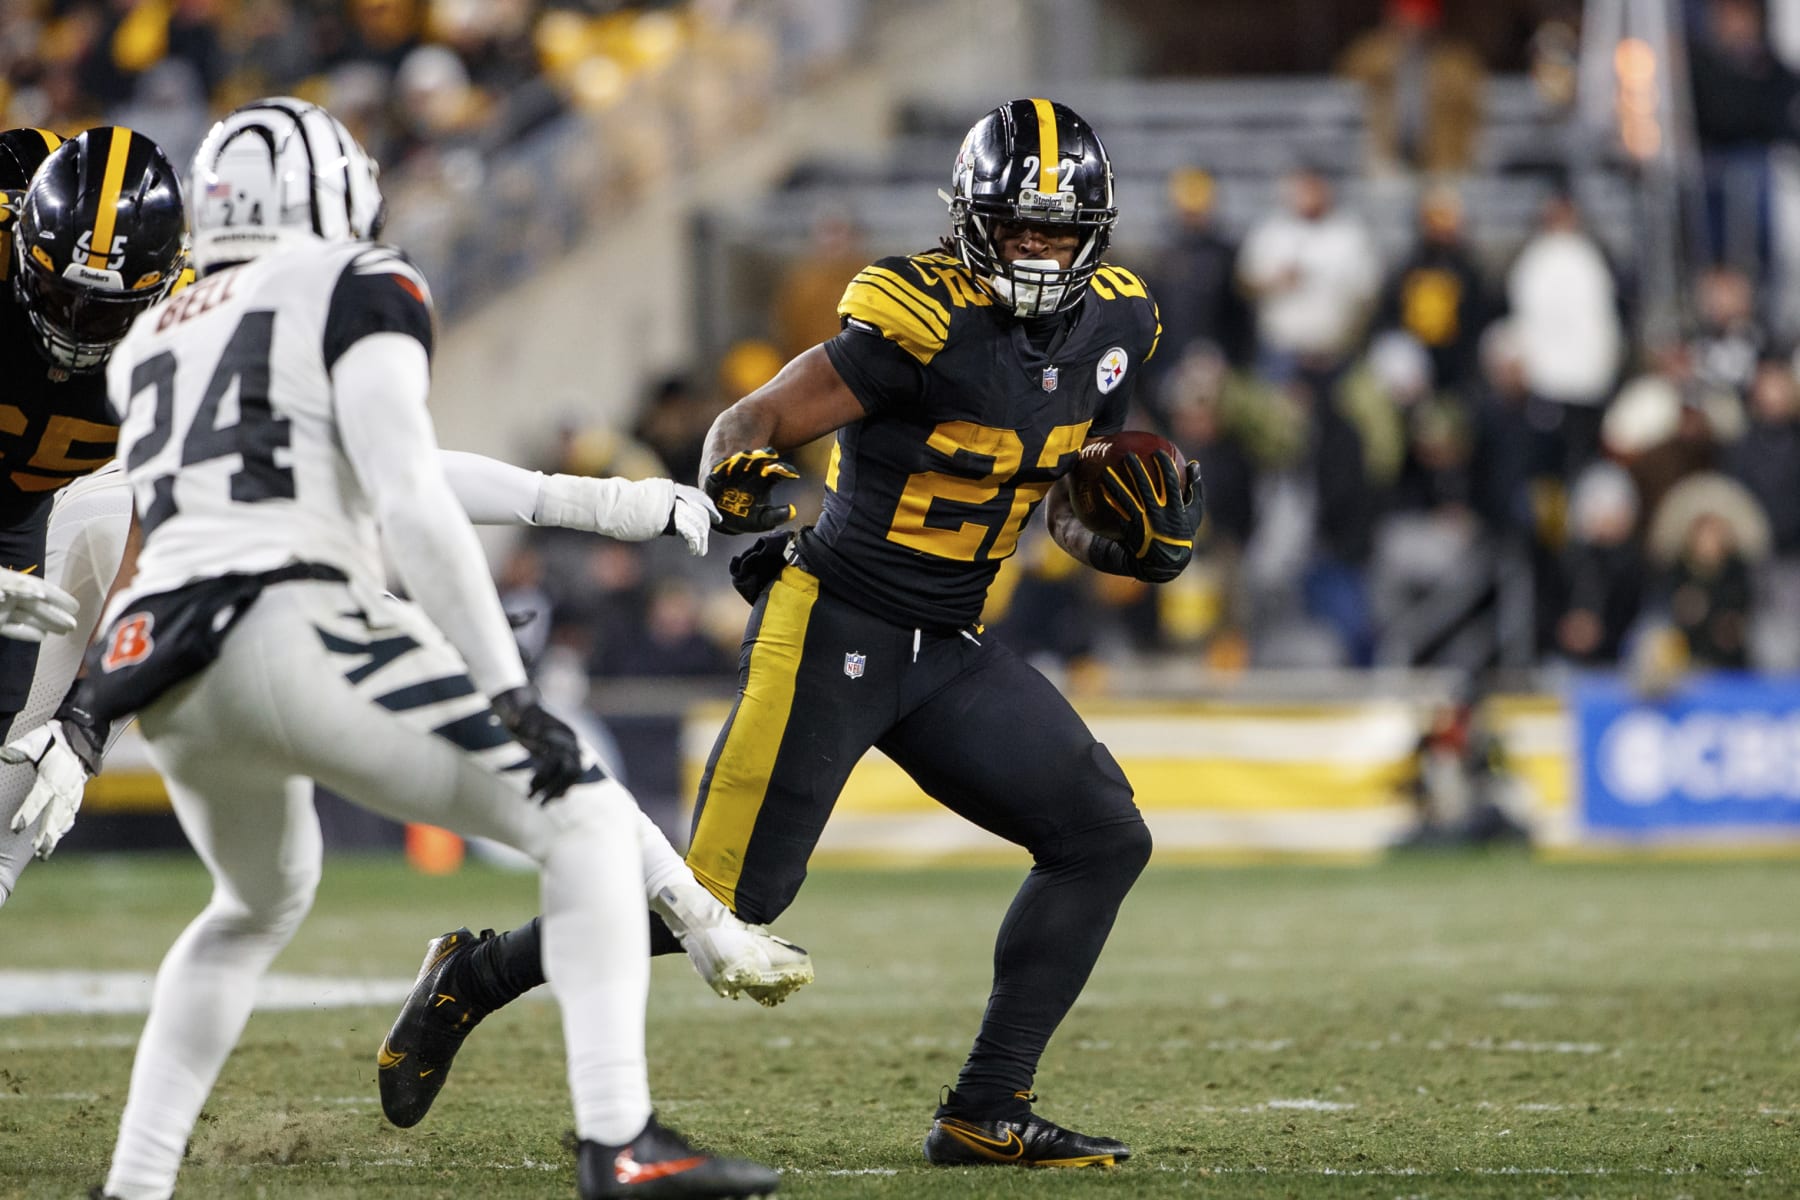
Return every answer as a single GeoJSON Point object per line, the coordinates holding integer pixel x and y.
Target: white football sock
{"type": "Point", "coordinates": [597, 960]}
{"type": "Point", "coordinates": [663, 867]}
{"type": "Point", "coordinates": [203, 996]}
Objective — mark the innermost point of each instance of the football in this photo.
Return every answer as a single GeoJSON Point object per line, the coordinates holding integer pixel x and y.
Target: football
{"type": "Point", "coordinates": [1097, 454]}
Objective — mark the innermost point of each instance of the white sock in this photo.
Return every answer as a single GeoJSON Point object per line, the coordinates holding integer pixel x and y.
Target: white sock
{"type": "Point", "coordinates": [663, 867]}
{"type": "Point", "coordinates": [597, 960]}
{"type": "Point", "coordinates": [203, 996]}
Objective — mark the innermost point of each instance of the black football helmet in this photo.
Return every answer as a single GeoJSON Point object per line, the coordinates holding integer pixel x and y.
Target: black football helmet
{"type": "Point", "coordinates": [21, 151]}
{"type": "Point", "coordinates": [98, 240]}
{"type": "Point", "coordinates": [1036, 162]}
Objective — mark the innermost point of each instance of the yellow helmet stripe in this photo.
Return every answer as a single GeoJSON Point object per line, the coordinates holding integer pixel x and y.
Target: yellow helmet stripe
{"type": "Point", "coordinates": [1047, 158]}
{"type": "Point", "coordinates": [51, 141]}
{"type": "Point", "coordinates": [100, 247]}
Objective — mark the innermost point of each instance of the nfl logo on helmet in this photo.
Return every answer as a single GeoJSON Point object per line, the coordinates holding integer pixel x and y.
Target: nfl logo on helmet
{"type": "Point", "coordinates": [854, 663]}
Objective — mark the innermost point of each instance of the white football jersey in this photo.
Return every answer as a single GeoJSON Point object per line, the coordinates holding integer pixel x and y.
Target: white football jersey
{"type": "Point", "coordinates": [228, 430]}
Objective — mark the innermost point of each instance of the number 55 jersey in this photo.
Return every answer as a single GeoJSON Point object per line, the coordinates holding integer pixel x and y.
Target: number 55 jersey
{"type": "Point", "coordinates": [972, 415]}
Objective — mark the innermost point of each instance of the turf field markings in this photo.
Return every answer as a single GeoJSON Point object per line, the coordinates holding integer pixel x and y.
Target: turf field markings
{"type": "Point", "coordinates": [100, 1041]}
{"type": "Point", "coordinates": [1308, 1105]}
{"type": "Point", "coordinates": [1507, 1172]}
{"type": "Point", "coordinates": [27, 993]}
{"type": "Point", "coordinates": [64, 1097]}
{"type": "Point", "coordinates": [1516, 1046]}
{"type": "Point", "coordinates": [846, 1171]}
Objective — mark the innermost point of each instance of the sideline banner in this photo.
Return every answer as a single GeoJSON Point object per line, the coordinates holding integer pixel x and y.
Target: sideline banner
{"type": "Point", "coordinates": [1719, 757]}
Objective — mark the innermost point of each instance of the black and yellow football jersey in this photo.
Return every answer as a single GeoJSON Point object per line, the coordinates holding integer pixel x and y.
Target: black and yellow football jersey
{"type": "Point", "coordinates": [52, 431]}
{"type": "Point", "coordinates": [971, 416]}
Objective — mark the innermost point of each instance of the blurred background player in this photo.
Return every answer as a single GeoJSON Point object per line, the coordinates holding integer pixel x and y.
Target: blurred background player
{"type": "Point", "coordinates": [258, 590]}
{"type": "Point", "coordinates": [960, 388]}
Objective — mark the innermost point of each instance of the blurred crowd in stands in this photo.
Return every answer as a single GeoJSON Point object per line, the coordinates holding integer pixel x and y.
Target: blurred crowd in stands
{"type": "Point", "coordinates": [1392, 447]}
{"type": "Point", "coordinates": [544, 111]}
{"type": "Point", "coordinates": [1437, 456]}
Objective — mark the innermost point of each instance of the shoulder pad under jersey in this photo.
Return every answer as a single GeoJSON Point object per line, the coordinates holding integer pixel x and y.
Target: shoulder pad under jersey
{"type": "Point", "coordinates": [1117, 286]}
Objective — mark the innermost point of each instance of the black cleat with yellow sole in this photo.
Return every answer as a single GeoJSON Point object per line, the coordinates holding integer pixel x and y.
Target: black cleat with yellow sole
{"type": "Point", "coordinates": [415, 1057]}
{"type": "Point", "coordinates": [1020, 1140]}
{"type": "Point", "coordinates": [659, 1164]}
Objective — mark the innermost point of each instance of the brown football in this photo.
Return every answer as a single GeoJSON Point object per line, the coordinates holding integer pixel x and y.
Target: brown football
{"type": "Point", "coordinates": [1097, 454]}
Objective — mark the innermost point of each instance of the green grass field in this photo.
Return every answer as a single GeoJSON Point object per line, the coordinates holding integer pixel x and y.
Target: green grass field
{"type": "Point", "coordinates": [1489, 1027]}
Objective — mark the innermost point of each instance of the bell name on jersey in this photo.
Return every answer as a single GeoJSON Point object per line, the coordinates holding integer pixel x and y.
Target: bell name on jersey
{"type": "Point", "coordinates": [972, 415]}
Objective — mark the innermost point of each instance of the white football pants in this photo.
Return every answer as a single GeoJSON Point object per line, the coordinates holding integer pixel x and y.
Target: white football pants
{"type": "Point", "coordinates": [86, 538]}
{"type": "Point", "coordinates": [360, 692]}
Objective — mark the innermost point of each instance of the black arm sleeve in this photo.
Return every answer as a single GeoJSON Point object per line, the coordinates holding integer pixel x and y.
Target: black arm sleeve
{"type": "Point", "coordinates": [379, 292]}
{"type": "Point", "coordinates": [878, 373]}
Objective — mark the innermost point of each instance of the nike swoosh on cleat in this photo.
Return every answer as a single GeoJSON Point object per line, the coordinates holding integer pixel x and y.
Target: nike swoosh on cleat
{"type": "Point", "coordinates": [1001, 1151]}
{"type": "Point", "coordinates": [431, 1071]}
{"type": "Point", "coordinates": [627, 1169]}
{"type": "Point", "coordinates": [387, 1059]}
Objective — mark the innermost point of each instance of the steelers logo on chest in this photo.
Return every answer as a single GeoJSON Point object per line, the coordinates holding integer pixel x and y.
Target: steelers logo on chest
{"type": "Point", "coordinates": [1109, 373]}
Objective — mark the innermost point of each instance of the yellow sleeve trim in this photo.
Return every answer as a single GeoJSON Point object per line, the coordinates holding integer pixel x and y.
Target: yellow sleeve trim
{"type": "Point", "coordinates": [906, 316]}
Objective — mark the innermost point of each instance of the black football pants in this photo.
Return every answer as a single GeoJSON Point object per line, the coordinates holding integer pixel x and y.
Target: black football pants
{"type": "Point", "coordinates": [983, 733]}
{"type": "Point", "coordinates": [21, 549]}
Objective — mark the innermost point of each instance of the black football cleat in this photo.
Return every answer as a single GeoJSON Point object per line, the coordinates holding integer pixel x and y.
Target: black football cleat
{"type": "Point", "coordinates": [416, 1055]}
{"type": "Point", "coordinates": [1029, 1141]}
{"type": "Point", "coordinates": [659, 1164]}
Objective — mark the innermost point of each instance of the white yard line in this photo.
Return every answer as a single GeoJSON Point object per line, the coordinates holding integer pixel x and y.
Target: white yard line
{"type": "Point", "coordinates": [30, 993]}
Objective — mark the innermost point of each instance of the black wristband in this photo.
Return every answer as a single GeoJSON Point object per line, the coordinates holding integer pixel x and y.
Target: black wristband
{"type": "Point", "coordinates": [87, 735]}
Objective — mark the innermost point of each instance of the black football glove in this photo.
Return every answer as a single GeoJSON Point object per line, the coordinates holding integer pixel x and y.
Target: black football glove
{"type": "Point", "coordinates": [1161, 510]}
{"type": "Point", "coordinates": [555, 751]}
{"type": "Point", "coordinates": [739, 487]}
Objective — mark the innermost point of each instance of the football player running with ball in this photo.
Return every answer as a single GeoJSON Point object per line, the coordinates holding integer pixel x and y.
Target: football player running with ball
{"type": "Point", "coordinates": [961, 389]}
{"type": "Point", "coordinates": [276, 441]}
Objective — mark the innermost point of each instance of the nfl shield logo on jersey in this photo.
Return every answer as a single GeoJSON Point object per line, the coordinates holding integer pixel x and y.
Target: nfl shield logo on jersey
{"type": "Point", "coordinates": [854, 663]}
{"type": "Point", "coordinates": [1050, 377]}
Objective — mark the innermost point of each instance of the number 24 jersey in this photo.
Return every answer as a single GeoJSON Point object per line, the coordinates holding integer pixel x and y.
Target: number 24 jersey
{"type": "Point", "coordinates": [229, 432]}
{"type": "Point", "coordinates": [972, 415]}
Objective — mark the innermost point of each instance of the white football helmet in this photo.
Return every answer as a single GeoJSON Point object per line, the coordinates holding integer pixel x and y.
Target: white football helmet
{"type": "Point", "coordinates": [275, 171]}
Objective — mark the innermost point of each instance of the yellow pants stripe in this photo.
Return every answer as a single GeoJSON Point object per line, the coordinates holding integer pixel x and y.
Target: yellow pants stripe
{"type": "Point", "coordinates": [740, 777]}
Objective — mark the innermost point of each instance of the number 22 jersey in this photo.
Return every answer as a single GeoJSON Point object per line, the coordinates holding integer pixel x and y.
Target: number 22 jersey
{"type": "Point", "coordinates": [971, 416]}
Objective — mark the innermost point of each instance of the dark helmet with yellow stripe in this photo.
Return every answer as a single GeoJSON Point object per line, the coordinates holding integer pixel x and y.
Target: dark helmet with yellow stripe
{"type": "Point", "coordinates": [22, 150]}
{"type": "Point", "coordinates": [1032, 162]}
{"type": "Point", "coordinates": [98, 241]}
